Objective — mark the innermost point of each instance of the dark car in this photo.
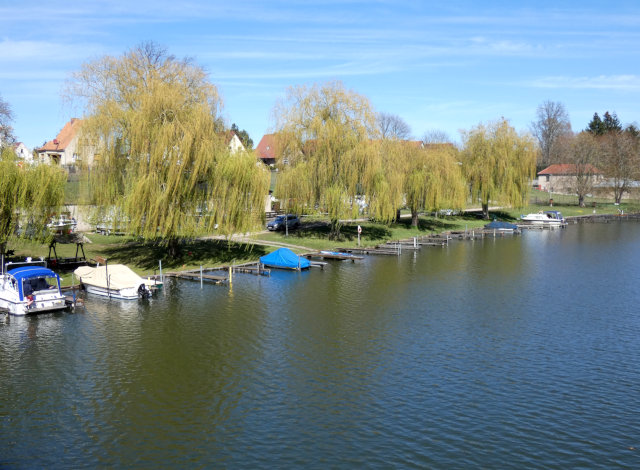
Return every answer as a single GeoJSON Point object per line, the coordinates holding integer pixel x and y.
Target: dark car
{"type": "Point", "coordinates": [292, 221]}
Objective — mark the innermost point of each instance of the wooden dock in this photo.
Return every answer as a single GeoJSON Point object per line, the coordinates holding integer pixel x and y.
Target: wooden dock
{"type": "Point", "coordinates": [369, 251]}
{"type": "Point", "coordinates": [197, 275]}
{"type": "Point", "coordinates": [333, 255]}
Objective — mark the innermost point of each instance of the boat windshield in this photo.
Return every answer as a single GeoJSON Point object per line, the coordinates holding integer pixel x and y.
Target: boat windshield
{"type": "Point", "coordinates": [37, 284]}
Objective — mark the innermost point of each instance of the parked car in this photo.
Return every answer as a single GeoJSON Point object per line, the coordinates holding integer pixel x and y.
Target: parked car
{"type": "Point", "coordinates": [292, 221]}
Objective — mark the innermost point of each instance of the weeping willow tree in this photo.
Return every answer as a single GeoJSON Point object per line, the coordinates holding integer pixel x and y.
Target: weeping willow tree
{"type": "Point", "coordinates": [434, 179]}
{"type": "Point", "coordinates": [161, 162]}
{"type": "Point", "coordinates": [29, 195]}
{"type": "Point", "coordinates": [499, 164]}
{"type": "Point", "coordinates": [326, 153]}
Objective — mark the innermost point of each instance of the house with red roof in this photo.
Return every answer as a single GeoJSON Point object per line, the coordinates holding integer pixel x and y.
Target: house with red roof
{"type": "Point", "coordinates": [266, 149]}
{"type": "Point", "coordinates": [64, 149]}
{"type": "Point", "coordinates": [561, 178]}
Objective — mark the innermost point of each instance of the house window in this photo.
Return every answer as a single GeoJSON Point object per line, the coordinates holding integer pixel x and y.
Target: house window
{"type": "Point", "coordinates": [546, 178]}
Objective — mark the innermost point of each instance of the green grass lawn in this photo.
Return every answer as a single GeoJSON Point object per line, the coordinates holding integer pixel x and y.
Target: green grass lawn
{"type": "Point", "coordinates": [315, 233]}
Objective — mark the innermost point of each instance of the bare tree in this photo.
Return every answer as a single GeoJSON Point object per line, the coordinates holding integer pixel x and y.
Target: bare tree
{"type": "Point", "coordinates": [392, 126]}
{"type": "Point", "coordinates": [581, 152]}
{"type": "Point", "coordinates": [6, 116]}
{"type": "Point", "coordinates": [435, 136]}
{"type": "Point", "coordinates": [620, 158]}
{"type": "Point", "coordinates": [551, 124]}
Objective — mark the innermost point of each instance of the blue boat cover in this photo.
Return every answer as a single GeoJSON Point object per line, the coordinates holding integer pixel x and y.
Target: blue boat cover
{"type": "Point", "coordinates": [285, 258]}
{"type": "Point", "coordinates": [499, 225]}
{"type": "Point", "coordinates": [29, 272]}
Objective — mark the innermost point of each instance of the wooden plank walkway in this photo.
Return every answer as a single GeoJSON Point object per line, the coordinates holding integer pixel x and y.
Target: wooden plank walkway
{"type": "Point", "coordinates": [196, 276]}
{"type": "Point", "coordinates": [369, 251]}
{"type": "Point", "coordinates": [333, 255]}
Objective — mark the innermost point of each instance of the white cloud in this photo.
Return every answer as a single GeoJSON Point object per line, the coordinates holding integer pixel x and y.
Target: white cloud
{"type": "Point", "coordinates": [600, 82]}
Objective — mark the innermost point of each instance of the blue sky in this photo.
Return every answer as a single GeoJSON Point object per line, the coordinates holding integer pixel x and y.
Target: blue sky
{"type": "Point", "coordinates": [438, 65]}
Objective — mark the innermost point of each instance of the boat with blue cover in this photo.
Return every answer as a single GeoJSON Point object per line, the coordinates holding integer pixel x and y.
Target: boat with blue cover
{"type": "Point", "coordinates": [284, 258]}
{"type": "Point", "coordinates": [30, 289]}
{"type": "Point", "coordinates": [501, 226]}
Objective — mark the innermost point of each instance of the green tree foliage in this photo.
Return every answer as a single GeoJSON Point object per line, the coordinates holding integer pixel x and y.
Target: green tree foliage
{"type": "Point", "coordinates": [434, 179]}
{"type": "Point", "coordinates": [29, 195]}
{"type": "Point", "coordinates": [161, 160]}
{"type": "Point", "coordinates": [609, 123]}
{"type": "Point", "coordinates": [327, 155]}
{"type": "Point", "coordinates": [499, 164]}
{"type": "Point", "coordinates": [243, 136]}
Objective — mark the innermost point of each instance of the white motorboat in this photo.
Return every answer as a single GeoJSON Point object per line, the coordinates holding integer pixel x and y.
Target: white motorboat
{"type": "Point", "coordinates": [30, 288]}
{"type": "Point", "coordinates": [547, 218]}
{"type": "Point", "coordinates": [62, 225]}
{"type": "Point", "coordinates": [114, 280]}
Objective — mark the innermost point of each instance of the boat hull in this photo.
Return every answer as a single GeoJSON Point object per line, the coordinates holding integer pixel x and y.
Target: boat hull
{"type": "Point", "coordinates": [17, 307]}
{"type": "Point", "coordinates": [546, 219]}
{"type": "Point", "coordinates": [552, 223]}
{"type": "Point", "coordinates": [129, 293]}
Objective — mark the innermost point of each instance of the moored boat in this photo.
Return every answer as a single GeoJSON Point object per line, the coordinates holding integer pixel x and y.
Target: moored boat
{"type": "Point", "coordinates": [30, 288]}
{"type": "Point", "coordinates": [62, 225]}
{"type": "Point", "coordinates": [284, 258]}
{"type": "Point", "coordinates": [115, 281]}
{"type": "Point", "coordinates": [548, 218]}
{"type": "Point", "coordinates": [501, 226]}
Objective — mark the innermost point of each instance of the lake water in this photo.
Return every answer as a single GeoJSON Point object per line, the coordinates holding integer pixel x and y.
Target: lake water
{"type": "Point", "coordinates": [515, 352]}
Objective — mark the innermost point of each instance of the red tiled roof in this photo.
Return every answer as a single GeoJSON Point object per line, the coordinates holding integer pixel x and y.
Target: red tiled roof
{"type": "Point", "coordinates": [266, 147]}
{"type": "Point", "coordinates": [65, 136]}
{"type": "Point", "coordinates": [567, 169]}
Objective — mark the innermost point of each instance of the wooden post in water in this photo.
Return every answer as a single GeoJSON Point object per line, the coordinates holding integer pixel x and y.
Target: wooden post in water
{"type": "Point", "coordinates": [200, 276]}
{"type": "Point", "coordinates": [230, 275]}
{"type": "Point", "coordinates": [160, 263]}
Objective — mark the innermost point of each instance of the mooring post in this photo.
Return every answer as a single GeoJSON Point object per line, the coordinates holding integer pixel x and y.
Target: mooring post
{"type": "Point", "coordinates": [230, 274]}
{"type": "Point", "coordinates": [160, 263]}
{"type": "Point", "coordinates": [200, 276]}
{"type": "Point", "coordinates": [415, 242]}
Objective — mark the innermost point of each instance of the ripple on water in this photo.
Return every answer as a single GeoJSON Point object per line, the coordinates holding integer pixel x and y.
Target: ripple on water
{"type": "Point", "coordinates": [475, 355]}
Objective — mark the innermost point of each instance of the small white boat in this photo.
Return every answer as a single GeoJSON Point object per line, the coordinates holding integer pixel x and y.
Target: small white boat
{"type": "Point", "coordinates": [30, 288]}
{"type": "Point", "coordinates": [62, 225]}
{"type": "Point", "coordinates": [114, 280]}
{"type": "Point", "coordinates": [548, 218]}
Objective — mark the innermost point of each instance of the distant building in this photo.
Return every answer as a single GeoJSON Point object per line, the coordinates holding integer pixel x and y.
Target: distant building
{"type": "Point", "coordinates": [266, 149]}
{"type": "Point", "coordinates": [23, 152]}
{"type": "Point", "coordinates": [234, 142]}
{"type": "Point", "coordinates": [561, 178]}
{"type": "Point", "coordinates": [64, 149]}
